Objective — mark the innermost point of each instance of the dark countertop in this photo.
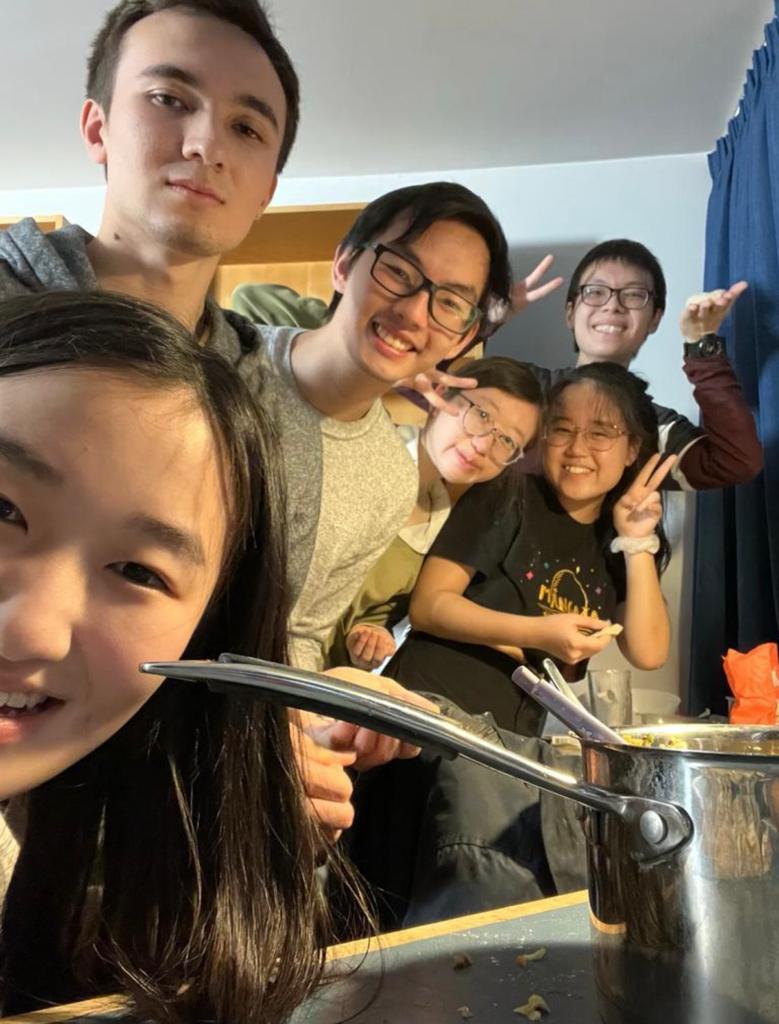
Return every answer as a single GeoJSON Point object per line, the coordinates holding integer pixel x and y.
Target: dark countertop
{"type": "Point", "coordinates": [409, 977]}
{"type": "Point", "coordinates": [412, 980]}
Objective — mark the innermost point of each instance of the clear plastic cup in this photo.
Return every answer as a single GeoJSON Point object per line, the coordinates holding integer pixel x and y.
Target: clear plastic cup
{"type": "Point", "coordinates": [611, 696]}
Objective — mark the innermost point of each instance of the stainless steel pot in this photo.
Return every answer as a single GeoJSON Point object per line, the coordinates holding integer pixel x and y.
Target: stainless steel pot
{"type": "Point", "coordinates": [693, 935]}
{"type": "Point", "coordinates": [683, 845]}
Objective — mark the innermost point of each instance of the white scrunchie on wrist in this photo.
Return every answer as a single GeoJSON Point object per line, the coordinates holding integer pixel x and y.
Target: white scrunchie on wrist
{"type": "Point", "coordinates": [635, 545]}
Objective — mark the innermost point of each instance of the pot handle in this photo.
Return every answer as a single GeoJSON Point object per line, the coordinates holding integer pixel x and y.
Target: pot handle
{"type": "Point", "coordinates": [658, 827]}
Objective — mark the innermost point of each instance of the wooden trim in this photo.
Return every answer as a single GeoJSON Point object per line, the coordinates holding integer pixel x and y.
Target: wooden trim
{"type": "Point", "coordinates": [315, 208]}
{"type": "Point", "coordinates": [57, 1014]}
{"type": "Point", "coordinates": [457, 924]}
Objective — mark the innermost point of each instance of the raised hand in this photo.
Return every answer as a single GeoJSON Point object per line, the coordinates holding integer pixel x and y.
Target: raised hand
{"type": "Point", "coordinates": [638, 511]}
{"type": "Point", "coordinates": [433, 384]}
{"type": "Point", "coordinates": [369, 645]}
{"type": "Point", "coordinates": [703, 313]}
{"type": "Point", "coordinates": [529, 290]}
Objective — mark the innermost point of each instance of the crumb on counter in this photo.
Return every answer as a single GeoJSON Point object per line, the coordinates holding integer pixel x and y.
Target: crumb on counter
{"type": "Point", "coordinates": [534, 1008]}
{"type": "Point", "coordinates": [523, 959]}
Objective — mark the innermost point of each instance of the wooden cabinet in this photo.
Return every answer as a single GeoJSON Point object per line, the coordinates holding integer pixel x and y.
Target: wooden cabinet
{"type": "Point", "coordinates": [46, 222]}
{"type": "Point", "coordinates": [292, 245]}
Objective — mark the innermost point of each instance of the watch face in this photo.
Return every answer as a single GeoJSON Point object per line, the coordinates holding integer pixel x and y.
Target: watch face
{"type": "Point", "coordinates": [710, 345]}
{"type": "Point", "coordinates": [706, 347]}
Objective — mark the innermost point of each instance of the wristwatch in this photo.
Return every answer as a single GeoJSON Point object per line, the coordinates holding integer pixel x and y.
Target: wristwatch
{"type": "Point", "coordinates": [707, 347]}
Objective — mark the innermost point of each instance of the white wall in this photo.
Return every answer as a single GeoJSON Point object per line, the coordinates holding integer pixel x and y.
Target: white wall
{"type": "Point", "coordinates": [565, 209]}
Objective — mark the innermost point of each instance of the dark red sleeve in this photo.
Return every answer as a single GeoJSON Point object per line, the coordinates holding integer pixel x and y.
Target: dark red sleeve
{"type": "Point", "coordinates": [730, 451]}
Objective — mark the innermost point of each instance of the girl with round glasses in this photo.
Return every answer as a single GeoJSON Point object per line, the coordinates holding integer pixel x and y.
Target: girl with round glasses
{"type": "Point", "coordinates": [523, 574]}
{"type": "Point", "coordinates": [482, 438]}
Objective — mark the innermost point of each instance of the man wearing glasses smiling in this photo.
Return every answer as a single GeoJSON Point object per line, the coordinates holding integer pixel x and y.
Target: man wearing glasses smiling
{"type": "Point", "coordinates": [413, 281]}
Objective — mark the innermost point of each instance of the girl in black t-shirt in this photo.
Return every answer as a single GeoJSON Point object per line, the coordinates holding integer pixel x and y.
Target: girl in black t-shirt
{"type": "Point", "coordinates": [521, 576]}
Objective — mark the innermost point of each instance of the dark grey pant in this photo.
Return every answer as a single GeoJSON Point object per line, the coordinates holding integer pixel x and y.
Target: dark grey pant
{"type": "Point", "coordinates": [436, 838]}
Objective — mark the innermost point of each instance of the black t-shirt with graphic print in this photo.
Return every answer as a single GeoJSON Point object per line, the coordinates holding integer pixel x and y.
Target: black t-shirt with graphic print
{"type": "Point", "coordinates": [531, 558]}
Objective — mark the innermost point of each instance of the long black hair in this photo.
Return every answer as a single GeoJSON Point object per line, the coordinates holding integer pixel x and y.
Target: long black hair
{"type": "Point", "coordinates": [627, 393]}
{"type": "Point", "coordinates": [176, 863]}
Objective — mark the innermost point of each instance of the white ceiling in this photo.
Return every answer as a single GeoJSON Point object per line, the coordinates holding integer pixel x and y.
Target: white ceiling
{"type": "Point", "coordinates": [412, 85]}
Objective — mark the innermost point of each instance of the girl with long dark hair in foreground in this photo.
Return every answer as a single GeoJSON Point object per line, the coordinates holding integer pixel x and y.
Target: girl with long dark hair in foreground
{"type": "Point", "coordinates": [166, 851]}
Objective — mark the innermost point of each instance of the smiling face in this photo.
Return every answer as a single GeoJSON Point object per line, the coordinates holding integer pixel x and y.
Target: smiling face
{"type": "Point", "coordinates": [112, 530]}
{"type": "Point", "coordinates": [612, 332]}
{"type": "Point", "coordinates": [580, 476]}
{"type": "Point", "coordinates": [462, 459]}
{"type": "Point", "coordinates": [193, 134]}
{"type": "Point", "coordinates": [387, 337]}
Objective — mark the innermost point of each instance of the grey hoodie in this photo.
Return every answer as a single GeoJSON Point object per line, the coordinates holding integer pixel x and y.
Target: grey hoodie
{"type": "Point", "coordinates": [31, 261]}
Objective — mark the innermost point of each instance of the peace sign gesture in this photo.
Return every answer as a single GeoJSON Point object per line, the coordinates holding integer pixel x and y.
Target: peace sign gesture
{"type": "Point", "coordinates": [638, 511]}
{"type": "Point", "coordinates": [531, 288]}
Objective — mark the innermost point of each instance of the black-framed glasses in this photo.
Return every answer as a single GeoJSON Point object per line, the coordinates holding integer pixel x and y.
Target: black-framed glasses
{"type": "Point", "coordinates": [399, 276]}
{"type": "Point", "coordinates": [599, 437]}
{"type": "Point", "coordinates": [631, 297]}
{"type": "Point", "coordinates": [477, 422]}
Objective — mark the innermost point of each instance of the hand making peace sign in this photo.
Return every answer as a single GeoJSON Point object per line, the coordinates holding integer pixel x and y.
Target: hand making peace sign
{"type": "Point", "coordinates": [638, 511]}
{"type": "Point", "coordinates": [531, 288]}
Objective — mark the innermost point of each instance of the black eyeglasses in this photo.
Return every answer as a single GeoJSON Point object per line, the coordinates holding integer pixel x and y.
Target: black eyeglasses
{"type": "Point", "coordinates": [631, 297]}
{"type": "Point", "coordinates": [477, 422]}
{"type": "Point", "coordinates": [399, 276]}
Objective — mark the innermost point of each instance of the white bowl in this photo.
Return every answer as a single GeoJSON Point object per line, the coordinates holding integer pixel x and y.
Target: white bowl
{"type": "Point", "coordinates": [651, 705]}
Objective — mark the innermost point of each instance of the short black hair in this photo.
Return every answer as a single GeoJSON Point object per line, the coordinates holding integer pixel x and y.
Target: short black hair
{"type": "Point", "coordinates": [247, 15]}
{"type": "Point", "coordinates": [621, 250]}
{"type": "Point", "coordinates": [425, 205]}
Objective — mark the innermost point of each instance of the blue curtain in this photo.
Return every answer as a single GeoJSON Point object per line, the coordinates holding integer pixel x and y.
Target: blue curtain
{"type": "Point", "coordinates": [736, 583]}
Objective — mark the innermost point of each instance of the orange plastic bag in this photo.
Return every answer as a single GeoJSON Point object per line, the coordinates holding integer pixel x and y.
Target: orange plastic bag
{"type": "Point", "coordinates": [753, 678]}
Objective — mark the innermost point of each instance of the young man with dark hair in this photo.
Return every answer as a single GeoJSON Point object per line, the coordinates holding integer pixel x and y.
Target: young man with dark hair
{"type": "Point", "coordinates": [413, 280]}
{"type": "Point", "coordinates": [191, 108]}
{"type": "Point", "coordinates": [248, 16]}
